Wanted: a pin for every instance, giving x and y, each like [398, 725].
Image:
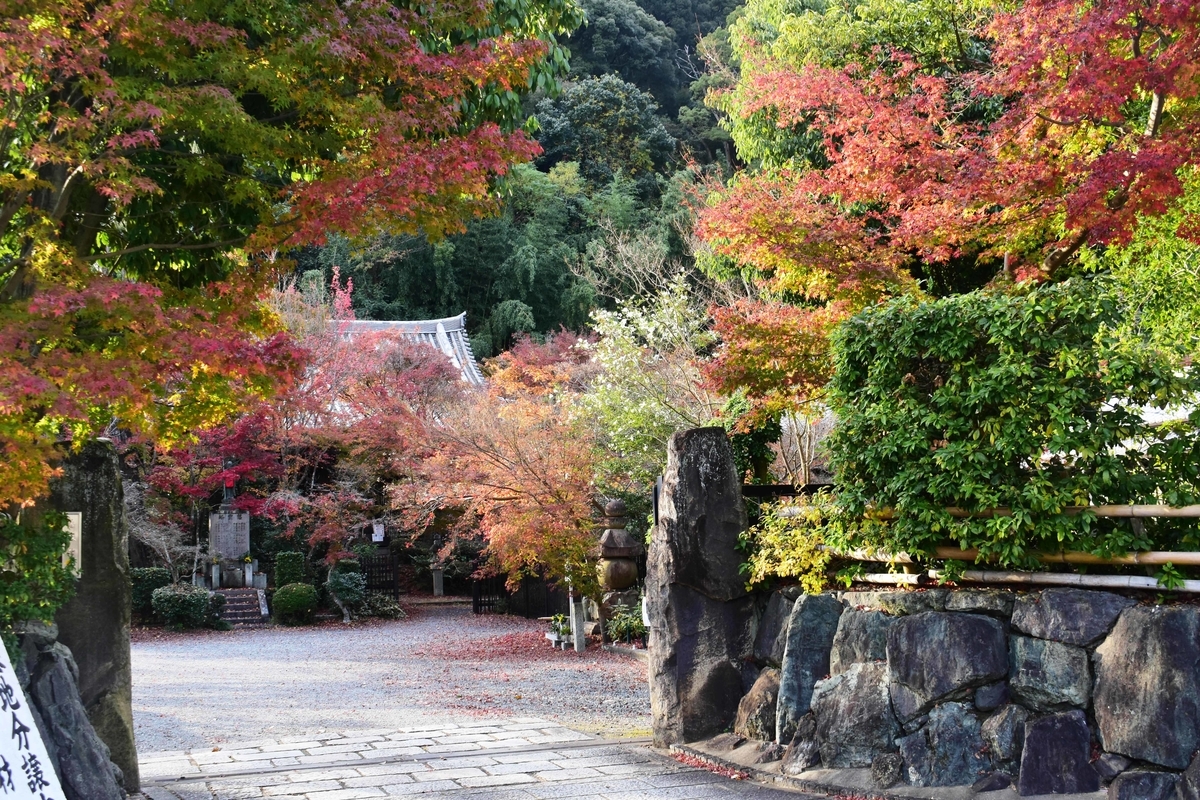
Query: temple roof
[448, 335]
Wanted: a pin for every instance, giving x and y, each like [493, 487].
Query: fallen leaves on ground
[702, 763]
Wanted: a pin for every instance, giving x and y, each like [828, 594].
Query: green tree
[691, 20]
[648, 385]
[1157, 278]
[510, 273]
[611, 128]
[621, 38]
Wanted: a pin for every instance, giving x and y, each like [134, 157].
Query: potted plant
[560, 629]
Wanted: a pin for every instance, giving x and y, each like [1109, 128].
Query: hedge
[1024, 399]
[144, 581]
[185, 606]
[289, 568]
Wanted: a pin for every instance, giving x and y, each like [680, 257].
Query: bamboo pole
[896, 579]
[1040, 579]
[1149, 558]
[1121, 512]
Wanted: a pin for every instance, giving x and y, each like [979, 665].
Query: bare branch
[175, 246]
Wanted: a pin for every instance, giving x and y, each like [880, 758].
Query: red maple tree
[159, 155]
[1079, 124]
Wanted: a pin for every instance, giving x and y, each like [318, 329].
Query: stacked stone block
[1055, 691]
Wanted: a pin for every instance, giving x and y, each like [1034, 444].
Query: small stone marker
[25, 767]
[228, 534]
[578, 639]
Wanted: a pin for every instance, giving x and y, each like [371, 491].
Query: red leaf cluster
[1079, 125]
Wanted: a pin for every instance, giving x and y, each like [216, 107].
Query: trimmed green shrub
[212, 616]
[181, 605]
[380, 605]
[294, 603]
[289, 568]
[1023, 399]
[144, 581]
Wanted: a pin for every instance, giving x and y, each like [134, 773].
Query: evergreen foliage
[610, 128]
[294, 603]
[145, 581]
[1023, 399]
[289, 568]
[621, 38]
[185, 606]
[35, 583]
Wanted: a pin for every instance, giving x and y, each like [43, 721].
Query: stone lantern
[617, 568]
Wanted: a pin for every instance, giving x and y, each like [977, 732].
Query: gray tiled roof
[448, 335]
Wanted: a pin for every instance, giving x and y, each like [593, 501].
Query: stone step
[242, 609]
[254, 609]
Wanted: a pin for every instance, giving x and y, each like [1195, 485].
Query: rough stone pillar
[95, 623]
[701, 618]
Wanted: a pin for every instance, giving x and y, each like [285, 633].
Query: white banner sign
[25, 768]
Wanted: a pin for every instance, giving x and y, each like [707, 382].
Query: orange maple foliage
[1079, 125]
[520, 465]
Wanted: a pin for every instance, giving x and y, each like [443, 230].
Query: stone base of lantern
[628, 598]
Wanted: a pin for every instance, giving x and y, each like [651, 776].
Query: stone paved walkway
[512, 759]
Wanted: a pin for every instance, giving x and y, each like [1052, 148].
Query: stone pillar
[95, 623]
[617, 570]
[578, 637]
[701, 617]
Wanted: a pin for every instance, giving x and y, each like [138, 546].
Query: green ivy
[1025, 399]
[34, 582]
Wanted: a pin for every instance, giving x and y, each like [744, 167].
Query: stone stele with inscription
[228, 534]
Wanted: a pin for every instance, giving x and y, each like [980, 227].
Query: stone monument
[228, 539]
[701, 617]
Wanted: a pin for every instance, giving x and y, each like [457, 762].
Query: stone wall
[1053, 691]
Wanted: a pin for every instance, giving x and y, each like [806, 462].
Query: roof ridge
[448, 335]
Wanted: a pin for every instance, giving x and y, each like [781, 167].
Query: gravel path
[441, 665]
